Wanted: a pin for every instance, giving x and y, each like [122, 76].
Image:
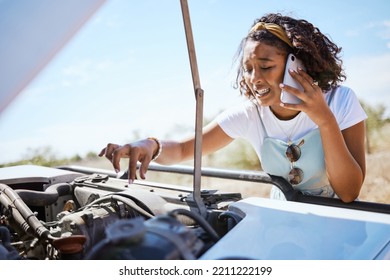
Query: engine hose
[125, 200]
[197, 218]
[230, 215]
[48, 197]
[136, 201]
[133, 205]
[25, 211]
[5, 201]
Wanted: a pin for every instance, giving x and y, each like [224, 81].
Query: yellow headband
[274, 29]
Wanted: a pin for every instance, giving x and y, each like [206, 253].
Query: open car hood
[32, 33]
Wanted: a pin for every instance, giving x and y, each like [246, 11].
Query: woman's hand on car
[140, 151]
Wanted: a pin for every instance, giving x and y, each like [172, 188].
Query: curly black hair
[318, 53]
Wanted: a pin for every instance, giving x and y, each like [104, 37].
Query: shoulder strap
[261, 121]
[331, 95]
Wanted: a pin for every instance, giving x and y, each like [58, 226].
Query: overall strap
[261, 121]
[331, 94]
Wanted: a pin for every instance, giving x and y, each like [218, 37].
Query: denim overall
[311, 162]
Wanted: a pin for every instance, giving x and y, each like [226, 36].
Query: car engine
[76, 213]
[57, 214]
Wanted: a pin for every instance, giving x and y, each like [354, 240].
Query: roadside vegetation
[46, 156]
[240, 155]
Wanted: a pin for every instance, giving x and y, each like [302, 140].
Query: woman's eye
[262, 68]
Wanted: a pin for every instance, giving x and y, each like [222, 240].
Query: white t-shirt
[243, 121]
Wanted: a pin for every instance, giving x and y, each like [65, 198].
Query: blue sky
[126, 71]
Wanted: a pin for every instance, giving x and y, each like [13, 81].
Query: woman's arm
[344, 150]
[214, 138]
[344, 158]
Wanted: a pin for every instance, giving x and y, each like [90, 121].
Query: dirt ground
[376, 186]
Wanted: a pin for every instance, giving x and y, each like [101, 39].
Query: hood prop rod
[199, 110]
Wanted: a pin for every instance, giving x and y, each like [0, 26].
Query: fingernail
[281, 104]
[281, 85]
[130, 181]
[116, 170]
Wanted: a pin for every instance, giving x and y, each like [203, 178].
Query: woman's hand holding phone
[292, 63]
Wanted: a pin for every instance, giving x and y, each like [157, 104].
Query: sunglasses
[293, 153]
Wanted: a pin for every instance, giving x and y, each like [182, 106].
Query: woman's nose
[256, 77]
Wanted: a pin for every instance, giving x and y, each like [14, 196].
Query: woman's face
[263, 67]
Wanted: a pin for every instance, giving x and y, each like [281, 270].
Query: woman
[318, 144]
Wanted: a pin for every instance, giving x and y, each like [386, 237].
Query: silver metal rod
[199, 109]
[190, 44]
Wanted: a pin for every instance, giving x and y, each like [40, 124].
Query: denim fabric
[311, 162]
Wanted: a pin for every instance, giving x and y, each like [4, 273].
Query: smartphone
[292, 63]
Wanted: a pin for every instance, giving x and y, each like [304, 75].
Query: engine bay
[69, 214]
[58, 214]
